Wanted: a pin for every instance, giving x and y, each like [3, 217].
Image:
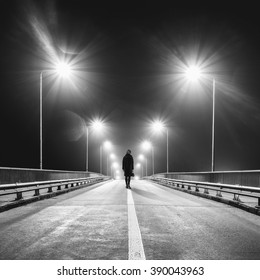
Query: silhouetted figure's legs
[127, 181]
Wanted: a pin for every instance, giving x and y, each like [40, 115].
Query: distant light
[141, 157]
[115, 165]
[146, 145]
[107, 145]
[138, 165]
[117, 177]
[112, 156]
[137, 178]
[193, 73]
[63, 69]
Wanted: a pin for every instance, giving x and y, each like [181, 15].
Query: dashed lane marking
[135, 244]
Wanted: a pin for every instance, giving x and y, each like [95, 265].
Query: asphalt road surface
[107, 221]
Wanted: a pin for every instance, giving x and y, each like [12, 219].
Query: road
[107, 221]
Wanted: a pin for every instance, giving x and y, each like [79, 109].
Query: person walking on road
[128, 167]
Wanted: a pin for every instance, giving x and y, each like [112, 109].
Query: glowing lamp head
[146, 145]
[63, 69]
[157, 126]
[115, 165]
[107, 145]
[141, 157]
[193, 73]
[112, 156]
[97, 125]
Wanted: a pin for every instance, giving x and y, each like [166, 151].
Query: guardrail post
[258, 206]
[49, 189]
[236, 197]
[19, 195]
[206, 191]
[197, 188]
[59, 188]
[219, 194]
[37, 192]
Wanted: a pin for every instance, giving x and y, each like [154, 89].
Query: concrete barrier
[20, 175]
[243, 178]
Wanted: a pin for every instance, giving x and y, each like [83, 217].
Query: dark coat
[128, 164]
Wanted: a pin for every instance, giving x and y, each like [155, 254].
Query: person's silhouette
[128, 167]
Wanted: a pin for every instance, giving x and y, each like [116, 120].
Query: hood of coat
[128, 155]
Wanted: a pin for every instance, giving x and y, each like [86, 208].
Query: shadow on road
[147, 194]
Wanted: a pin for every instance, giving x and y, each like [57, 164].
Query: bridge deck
[107, 221]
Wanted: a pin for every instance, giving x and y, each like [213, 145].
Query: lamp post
[112, 157]
[96, 125]
[146, 146]
[167, 145]
[41, 120]
[64, 70]
[194, 73]
[107, 145]
[114, 165]
[142, 158]
[87, 148]
[139, 165]
[158, 126]
[100, 159]
[213, 129]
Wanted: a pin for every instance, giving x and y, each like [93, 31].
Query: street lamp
[146, 145]
[114, 165]
[194, 73]
[158, 126]
[142, 158]
[96, 125]
[107, 145]
[139, 165]
[117, 174]
[64, 70]
[112, 157]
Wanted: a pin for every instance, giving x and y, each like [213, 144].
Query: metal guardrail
[19, 188]
[236, 190]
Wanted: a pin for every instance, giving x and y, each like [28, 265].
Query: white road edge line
[135, 244]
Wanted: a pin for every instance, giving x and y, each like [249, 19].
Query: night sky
[127, 57]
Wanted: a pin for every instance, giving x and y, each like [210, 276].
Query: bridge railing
[18, 189]
[218, 188]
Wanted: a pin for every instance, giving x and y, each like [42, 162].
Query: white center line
[135, 244]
